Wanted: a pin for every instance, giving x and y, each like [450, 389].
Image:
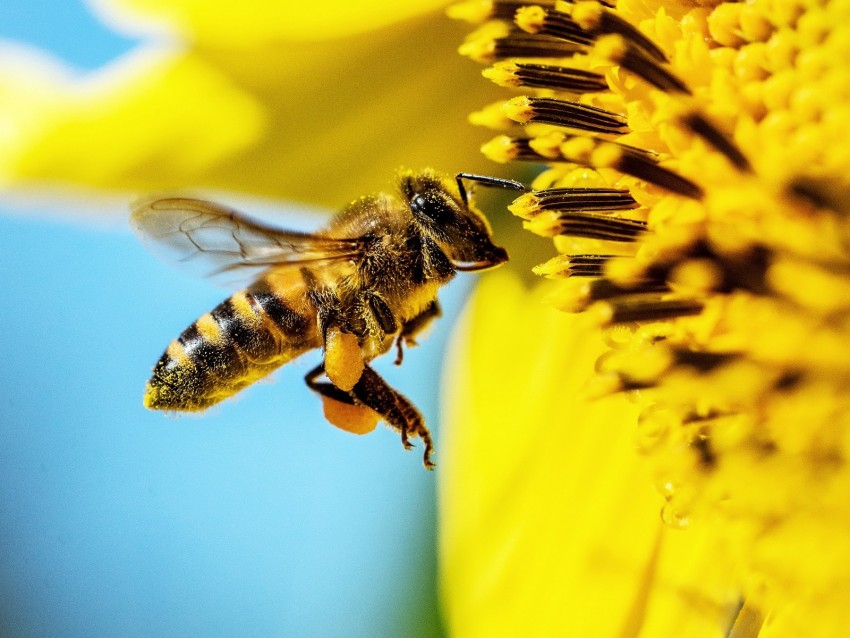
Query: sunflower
[665, 458]
[696, 189]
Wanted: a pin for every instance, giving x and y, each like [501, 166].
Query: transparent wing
[215, 241]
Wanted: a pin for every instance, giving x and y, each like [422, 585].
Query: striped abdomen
[243, 339]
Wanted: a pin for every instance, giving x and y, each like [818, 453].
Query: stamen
[696, 275]
[789, 380]
[593, 18]
[646, 367]
[563, 266]
[577, 295]
[544, 76]
[701, 266]
[497, 41]
[593, 226]
[524, 45]
[703, 361]
[583, 24]
[642, 308]
[707, 418]
[618, 51]
[543, 148]
[605, 289]
[590, 152]
[476, 11]
[640, 164]
[625, 384]
[701, 444]
[549, 145]
[547, 110]
[700, 126]
[503, 149]
[822, 193]
[630, 272]
[548, 22]
[747, 271]
[572, 199]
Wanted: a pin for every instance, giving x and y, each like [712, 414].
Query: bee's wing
[216, 241]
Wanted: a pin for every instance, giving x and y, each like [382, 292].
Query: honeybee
[366, 281]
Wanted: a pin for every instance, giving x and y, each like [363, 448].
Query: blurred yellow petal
[111, 132]
[317, 121]
[237, 23]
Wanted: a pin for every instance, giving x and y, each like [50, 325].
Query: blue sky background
[257, 519]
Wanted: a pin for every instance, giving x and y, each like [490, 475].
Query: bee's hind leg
[372, 391]
[340, 407]
[328, 390]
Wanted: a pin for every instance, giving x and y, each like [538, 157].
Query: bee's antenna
[498, 182]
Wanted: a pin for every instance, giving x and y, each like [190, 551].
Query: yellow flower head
[697, 189]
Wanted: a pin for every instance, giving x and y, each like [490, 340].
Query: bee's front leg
[414, 326]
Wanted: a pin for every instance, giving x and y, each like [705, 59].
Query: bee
[367, 280]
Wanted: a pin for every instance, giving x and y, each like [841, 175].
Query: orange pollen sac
[343, 359]
[351, 418]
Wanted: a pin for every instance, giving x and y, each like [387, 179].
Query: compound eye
[418, 204]
[432, 208]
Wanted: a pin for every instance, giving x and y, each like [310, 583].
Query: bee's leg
[328, 390]
[382, 312]
[384, 317]
[414, 326]
[376, 394]
[340, 408]
[340, 334]
[372, 391]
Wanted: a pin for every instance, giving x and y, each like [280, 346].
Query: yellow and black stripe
[241, 340]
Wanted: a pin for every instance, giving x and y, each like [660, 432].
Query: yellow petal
[151, 117]
[253, 21]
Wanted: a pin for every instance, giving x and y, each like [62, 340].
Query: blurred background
[256, 519]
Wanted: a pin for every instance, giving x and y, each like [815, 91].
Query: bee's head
[444, 213]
